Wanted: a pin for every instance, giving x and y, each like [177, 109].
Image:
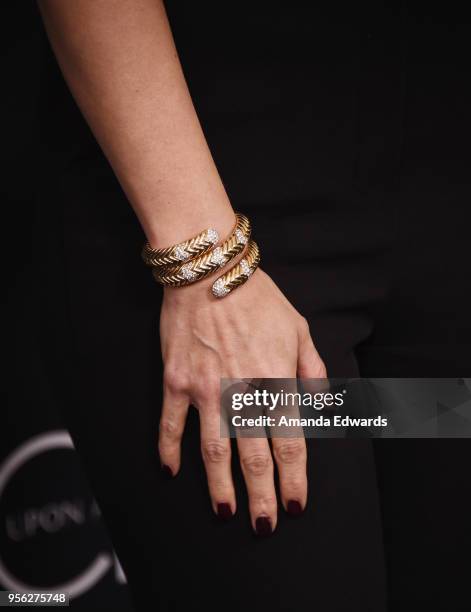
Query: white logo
[104, 561]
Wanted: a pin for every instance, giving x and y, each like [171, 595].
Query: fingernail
[294, 508]
[166, 471]
[224, 511]
[263, 526]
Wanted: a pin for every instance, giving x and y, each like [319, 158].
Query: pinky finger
[172, 424]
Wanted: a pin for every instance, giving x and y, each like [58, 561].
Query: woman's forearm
[121, 65]
[120, 62]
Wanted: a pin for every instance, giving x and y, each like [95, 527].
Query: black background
[424, 485]
[50, 481]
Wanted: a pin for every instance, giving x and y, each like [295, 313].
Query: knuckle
[289, 452]
[256, 465]
[169, 430]
[297, 485]
[215, 451]
[220, 490]
[218, 486]
[175, 380]
[264, 500]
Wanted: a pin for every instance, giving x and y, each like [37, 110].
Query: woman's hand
[252, 333]
[123, 70]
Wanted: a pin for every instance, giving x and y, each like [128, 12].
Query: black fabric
[343, 128]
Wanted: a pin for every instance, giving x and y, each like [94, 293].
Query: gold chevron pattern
[238, 274]
[202, 266]
[181, 252]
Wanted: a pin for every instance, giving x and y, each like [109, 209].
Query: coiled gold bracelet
[204, 265]
[198, 257]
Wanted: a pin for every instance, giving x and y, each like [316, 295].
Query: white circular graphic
[86, 579]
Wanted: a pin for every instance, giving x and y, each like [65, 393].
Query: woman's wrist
[205, 254]
[199, 292]
[177, 225]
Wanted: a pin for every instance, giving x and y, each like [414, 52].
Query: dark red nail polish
[294, 508]
[166, 471]
[263, 526]
[224, 511]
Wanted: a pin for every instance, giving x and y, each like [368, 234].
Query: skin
[119, 60]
